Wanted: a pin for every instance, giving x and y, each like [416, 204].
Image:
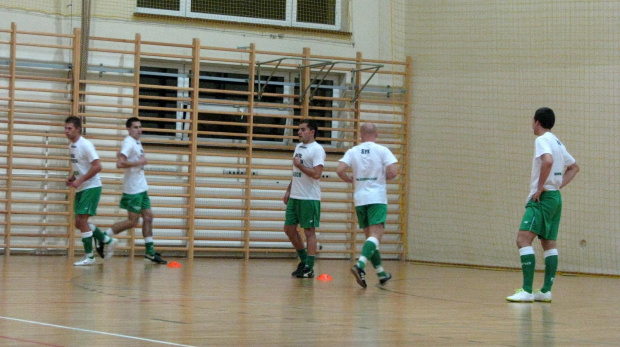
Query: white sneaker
[86, 261]
[542, 297]
[521, 296]
[109, 248]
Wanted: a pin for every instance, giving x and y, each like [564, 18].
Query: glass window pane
[316, 11]
[322, 123]
[220, 83]
[150, 97]
[264, 9]
[160, 4]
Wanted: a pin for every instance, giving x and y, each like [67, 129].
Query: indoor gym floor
[46, 301]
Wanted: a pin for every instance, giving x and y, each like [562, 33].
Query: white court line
[94, 331]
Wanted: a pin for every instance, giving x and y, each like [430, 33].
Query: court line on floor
[94, 331]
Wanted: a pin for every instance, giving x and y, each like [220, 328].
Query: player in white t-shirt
[372, 166]
[85, 179]
[552, 169]
[135, 196]
[303, 197]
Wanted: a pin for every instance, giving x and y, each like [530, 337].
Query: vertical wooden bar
[357, 124]
[248, 172]
[136, 111]
[357, 106]
[404, 174]
[9, 149]
[304, 83]
[305, 106]
[75, 84]
[75, 104]
[194, 147]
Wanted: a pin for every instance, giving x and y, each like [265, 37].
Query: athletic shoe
[383, 279]
[360, 275]
[86, 261]
[521, 296]
[542, 297]
[109, 250]
[306, 272]
[155, 258]
[99, 246]
[300, 268]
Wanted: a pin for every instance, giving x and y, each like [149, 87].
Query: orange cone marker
[324, 278]
[174, 264]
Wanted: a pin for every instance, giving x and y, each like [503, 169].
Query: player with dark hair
[85, 179]
[372, 166]
[552, 169]
[135, 196]
[303, 197]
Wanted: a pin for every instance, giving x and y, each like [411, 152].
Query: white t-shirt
[134, 182]
[83, 153]
[369, 161]
[302, 186]
[549, 143]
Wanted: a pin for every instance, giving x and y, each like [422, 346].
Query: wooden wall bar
[219, 147]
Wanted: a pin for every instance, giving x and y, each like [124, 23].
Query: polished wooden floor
[45, 301]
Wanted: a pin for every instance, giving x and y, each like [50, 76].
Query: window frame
[290, 21]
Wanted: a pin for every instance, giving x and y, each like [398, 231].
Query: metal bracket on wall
[325, 66]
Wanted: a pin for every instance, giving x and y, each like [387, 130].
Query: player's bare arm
[123, 163]
[341, 171]
[545, 170]
[287, 194]
[391, 171]
[569, 174]
[95, 168]
[313, 172]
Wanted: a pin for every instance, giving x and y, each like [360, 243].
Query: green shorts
[543, 218]
[372, 214]
[306, 213]
[86, 201]
[135, 203]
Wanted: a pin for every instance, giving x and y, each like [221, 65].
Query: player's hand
[286, 197]
[143, 160]
[69, 180]
[536, 196]
[75, 183]
[297, 162]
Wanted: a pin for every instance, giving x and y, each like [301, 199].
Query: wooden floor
[45, 301]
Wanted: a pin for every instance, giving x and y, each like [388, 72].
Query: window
[317, 14]
[220, 119]
[154, 101]
[223, 105]
[323, 90]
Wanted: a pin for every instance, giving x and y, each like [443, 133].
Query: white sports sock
[551, 252]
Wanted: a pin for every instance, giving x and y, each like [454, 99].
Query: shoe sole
[306, 276]
[547, 301]
[358, 278]
[385, 279]
[525, 301]
[83, 264]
